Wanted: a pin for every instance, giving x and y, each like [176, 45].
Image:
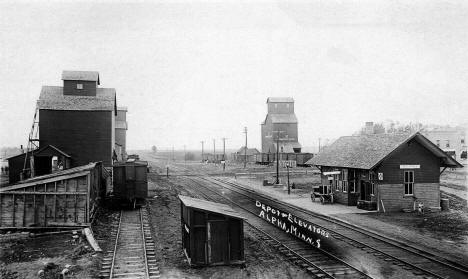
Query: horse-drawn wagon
[322, 193]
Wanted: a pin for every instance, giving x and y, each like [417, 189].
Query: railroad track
[133, 254]
[318, 263]
[420, 263]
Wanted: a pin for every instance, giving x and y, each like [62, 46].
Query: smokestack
[22, 150]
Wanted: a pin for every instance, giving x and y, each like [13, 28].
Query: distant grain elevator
[280, 121]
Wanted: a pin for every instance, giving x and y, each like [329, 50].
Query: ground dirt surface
[22, 256]
[261, 260]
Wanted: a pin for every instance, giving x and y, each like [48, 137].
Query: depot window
[344, 176]
[409, 182]
[351, 179]
[79, 86]
[336, 180]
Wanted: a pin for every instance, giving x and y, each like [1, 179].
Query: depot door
[365, 191]
[217, 242]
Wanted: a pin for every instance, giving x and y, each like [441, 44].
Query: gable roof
[81, 75]
[288, 147]
[210, 206]
[52, 150]
[52, 98]
[280, 100]
[250, 151]
[367, 151]
[283, 118]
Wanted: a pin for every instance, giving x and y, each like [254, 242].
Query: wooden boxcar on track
[130, 182]
[212, 233]
[300, 159]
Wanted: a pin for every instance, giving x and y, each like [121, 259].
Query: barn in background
[245, 154]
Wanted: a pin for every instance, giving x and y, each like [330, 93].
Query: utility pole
[224, 148]
[245, 149]
[185, 157]
[287, 167]
[319, 144]
[214, 151]
[202, 143]
[224, 153]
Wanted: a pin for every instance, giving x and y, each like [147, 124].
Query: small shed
[130, 180]
[212, 233]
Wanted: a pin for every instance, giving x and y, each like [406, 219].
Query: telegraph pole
[185, 157]
[224, 153]
[319, 144]
[224, 148]
[245, 149]
[214, 151]
[202, 143]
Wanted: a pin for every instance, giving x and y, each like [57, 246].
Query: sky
[192, 71]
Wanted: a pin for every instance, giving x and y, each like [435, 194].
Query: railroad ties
[133, 255]
[318, 263]
[422, 264]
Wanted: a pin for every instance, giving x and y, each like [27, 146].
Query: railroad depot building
[77, 125]
[281, 121]
[386, 172]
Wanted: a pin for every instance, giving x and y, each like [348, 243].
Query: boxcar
[130, 182]
[269, 158]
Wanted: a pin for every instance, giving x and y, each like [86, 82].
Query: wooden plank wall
[46, 204]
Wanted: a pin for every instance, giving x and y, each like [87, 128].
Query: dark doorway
[42, 165]
[216, 241]
[365, 191]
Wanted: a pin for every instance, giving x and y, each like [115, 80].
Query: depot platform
[296, 198]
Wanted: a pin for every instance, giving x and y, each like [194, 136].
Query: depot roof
[367, 151]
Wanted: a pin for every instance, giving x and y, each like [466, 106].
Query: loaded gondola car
[130, 183]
